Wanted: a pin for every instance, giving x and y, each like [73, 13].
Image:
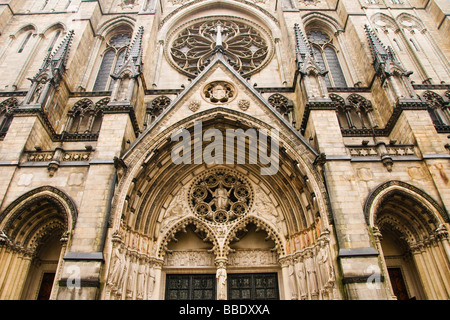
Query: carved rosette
[220, 196]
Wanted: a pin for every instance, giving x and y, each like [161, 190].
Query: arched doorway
[271, 237]
[35, 229]
[411, 233]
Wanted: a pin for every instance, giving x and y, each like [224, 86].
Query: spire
[61, 54]
[55, 64]
[381, 55]
[135, 51]
[133, 57]
[302, 46]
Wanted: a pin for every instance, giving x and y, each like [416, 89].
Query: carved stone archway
[410, 231]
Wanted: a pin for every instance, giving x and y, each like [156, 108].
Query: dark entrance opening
[253, 286]
[190, 287]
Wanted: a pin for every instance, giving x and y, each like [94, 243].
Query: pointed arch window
[6, 111]
[326, 55]
[155, 108]
[112, 59]
[85, 117]
[24, 43]
[438, 110]
[356, 114]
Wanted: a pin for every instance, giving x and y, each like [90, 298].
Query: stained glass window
[326, 56]
[112, 61]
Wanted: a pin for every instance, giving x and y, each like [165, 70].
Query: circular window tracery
[245, 48]
[220, 196]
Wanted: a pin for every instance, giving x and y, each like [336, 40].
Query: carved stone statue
[141, 281]
[301, 278]
[292, 284]
[151, 281]
[118, 267]
[131, 282]
[221, 276]
[324, 263]
[311, 273]
[221, 197]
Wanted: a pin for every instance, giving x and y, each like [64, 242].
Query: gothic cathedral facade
[225, 149]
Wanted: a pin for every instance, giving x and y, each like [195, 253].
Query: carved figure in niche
[37, 93]
[324, 263]
[131, 283]
[178, 207]
[311, 273]
[301, 278]
[151, 281]
[221, 276]
[292, 285]
[264, 207]
[141, 281]
[118, 268]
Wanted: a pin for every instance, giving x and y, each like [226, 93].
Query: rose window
[243, 46]
[220, 196]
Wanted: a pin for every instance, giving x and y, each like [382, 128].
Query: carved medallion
[244, 105]
[194, 105]
[218, 92]
[220, 196]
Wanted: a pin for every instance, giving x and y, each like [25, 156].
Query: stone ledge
[84, 256]
[357, 252]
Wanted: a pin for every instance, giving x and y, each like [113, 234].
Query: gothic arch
[38, 221]
[192, 8]
[28, 27]
[321, 20]
[59, 198]
[384, 21]
[114, 23]
[260, 224]
[129, 183]
[437, 213]
[202, 228]
[410, 231]
[406, 17]
[55, 26]
[329, 48]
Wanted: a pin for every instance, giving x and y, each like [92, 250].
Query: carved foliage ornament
[220, 196]
[244, 47]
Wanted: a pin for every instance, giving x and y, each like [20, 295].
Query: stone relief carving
[189, 258]
[194, 105]
[244, 104]
[264, 208]
[218, 92]
[252, 257]
[176, 210]
[314, 273]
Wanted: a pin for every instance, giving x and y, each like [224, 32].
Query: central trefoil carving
[220, 196]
